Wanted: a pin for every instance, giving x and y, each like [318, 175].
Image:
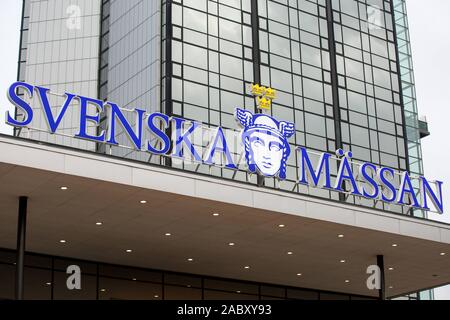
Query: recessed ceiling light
[391, 268]
[290, 253]
[168, 234]
[156, 296]
[281, 225]
[134, 279]
[190, 259]
[215, 214]
[62, 241]
[48, 283]
[128, 251]
[442, 253]
[247, 267]
[299, 274]
[395, 245]
[99, 223]
[391, 287]
[347, 281]
[231, 244]
[239, 291]
[102, 290]
[342, 261]
[64, 188]
[340, 235]
[143, 201]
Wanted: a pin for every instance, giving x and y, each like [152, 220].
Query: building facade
[335, 67]
[342, 73]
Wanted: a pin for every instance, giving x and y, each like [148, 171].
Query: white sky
[10, 16]
[430, 35]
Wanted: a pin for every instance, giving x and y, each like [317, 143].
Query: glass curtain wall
[130, 65]
[60, 51]
[372, 119]
[409, 93]
[334, 65]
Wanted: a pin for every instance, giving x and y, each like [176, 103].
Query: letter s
[160, 135]
[391, 188]
[20, 103]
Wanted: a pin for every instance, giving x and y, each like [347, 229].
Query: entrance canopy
[123, 212]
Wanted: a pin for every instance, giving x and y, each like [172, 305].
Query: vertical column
[21, 237]
[52, 293]
[334, 75]
[334, 81]
[382, 291]
[97, 283]
[255, 39]
[256, 60]
[168, 68]
[163, 293]
[103, 68]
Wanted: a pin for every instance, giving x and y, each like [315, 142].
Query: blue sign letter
[407, 187]
[159, 133]
[181, 138]
[223, 149]
[136, 138]
[345, 173]
[19, 103]
[427, 191]
[386, 183]
[52, 123]
[376, 189]
[85, 118]
[311, 174]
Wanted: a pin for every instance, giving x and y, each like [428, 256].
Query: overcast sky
[430, 35]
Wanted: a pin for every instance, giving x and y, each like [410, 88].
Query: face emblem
[266, 146]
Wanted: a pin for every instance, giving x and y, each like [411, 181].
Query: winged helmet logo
[266, 143]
